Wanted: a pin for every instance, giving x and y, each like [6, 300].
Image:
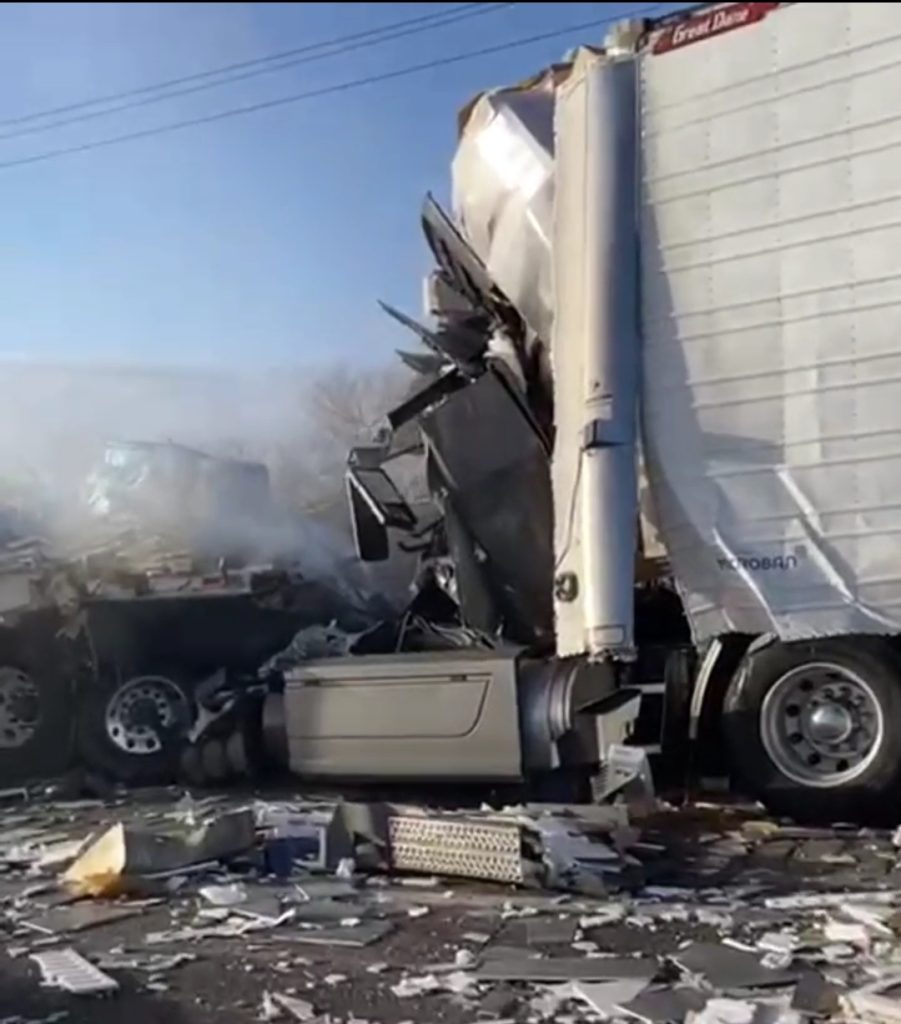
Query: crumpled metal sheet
[771, 316]
[503, 193]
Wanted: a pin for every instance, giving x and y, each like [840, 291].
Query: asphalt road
[722, 860]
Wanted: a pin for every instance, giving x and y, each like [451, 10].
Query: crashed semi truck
[658, 416]
[131, 623]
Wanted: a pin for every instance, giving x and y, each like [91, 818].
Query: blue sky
[257, 241]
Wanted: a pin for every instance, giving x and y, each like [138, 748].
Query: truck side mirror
[376, 505]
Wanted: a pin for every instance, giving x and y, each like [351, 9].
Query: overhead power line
[446, 18]
[338, 87]
[365, 34]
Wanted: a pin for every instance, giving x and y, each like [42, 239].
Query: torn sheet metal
[524, 968]
[352, 936]
[80, 917]
[503, 193]
[498, 505]
[727, 968]
[770, 329]
[665, 1005]
[607, 997]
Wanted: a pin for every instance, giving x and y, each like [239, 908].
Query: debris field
[166, 906]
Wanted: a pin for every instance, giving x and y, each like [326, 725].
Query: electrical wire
[238, 66]
[339, 87]
[269, 69]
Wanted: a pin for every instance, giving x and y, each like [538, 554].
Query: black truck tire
[812, 730]
[129, 751]
[36, 735]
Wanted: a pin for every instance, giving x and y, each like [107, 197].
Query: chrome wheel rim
[821, 725]
[20, 710]
[142, 711]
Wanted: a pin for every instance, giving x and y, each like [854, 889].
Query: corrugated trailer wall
[771, 315]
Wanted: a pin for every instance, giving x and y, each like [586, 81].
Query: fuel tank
[480, 715]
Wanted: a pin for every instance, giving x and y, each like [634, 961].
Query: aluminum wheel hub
[821, 725]
[20, 708]
[142, 712]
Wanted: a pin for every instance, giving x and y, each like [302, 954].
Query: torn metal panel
[727, 968]
[80, 917]
[607, 997]
[498, 491]
[524, 968]
[545, 931]
[503, 193]
[665, 1005]
[352, 936]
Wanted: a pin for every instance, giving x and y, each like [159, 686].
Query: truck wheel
[35, 723]
[133, 729]
[812, 729]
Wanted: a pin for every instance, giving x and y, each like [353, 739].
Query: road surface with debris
[713, 916]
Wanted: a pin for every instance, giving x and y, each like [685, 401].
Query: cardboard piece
[124, 853]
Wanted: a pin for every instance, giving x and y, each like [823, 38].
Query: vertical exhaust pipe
[596, 322]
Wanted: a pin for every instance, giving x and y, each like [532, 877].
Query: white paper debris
[224, 895]
[345, 869]
[296, 1009]
[852, 933]
[724, 1011]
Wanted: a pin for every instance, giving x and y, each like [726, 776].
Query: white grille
[456, 847]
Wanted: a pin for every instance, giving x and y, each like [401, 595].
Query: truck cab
[659, 421]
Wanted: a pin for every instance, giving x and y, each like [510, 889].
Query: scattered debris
[815, 996]
[726, 925]
[726, 1011]
[345, 868]
[123, 854]
[79, 918]
[607, 998]
[224, 895]
[356, 936]
[557, 931]
[726, 968]
[68, 970]
[296, 1009]
[665, 1005]
[566, 969]
[318, 888]
[315, 838]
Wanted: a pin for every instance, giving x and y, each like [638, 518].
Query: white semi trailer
[661, 424]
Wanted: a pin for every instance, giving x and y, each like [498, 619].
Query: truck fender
[721, 660]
